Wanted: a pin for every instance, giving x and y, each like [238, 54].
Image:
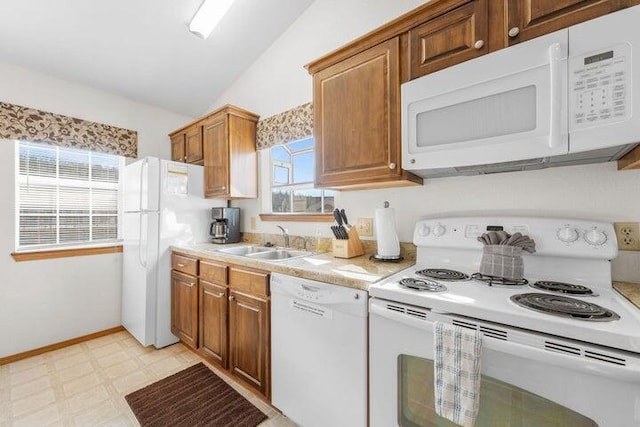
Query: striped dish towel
[457, 373]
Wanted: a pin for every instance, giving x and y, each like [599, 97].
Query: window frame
[59, 250]
[267, 179]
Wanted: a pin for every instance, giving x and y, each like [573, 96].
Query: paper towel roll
[388, 244]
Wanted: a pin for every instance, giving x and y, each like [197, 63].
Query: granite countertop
[358, 272]
[630, 291]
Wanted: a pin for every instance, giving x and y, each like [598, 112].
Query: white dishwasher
[319, 352]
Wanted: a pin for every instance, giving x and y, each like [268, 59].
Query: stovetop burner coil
[498, 281]
[422, 285]
[563, 288]
[563, 306]
[442, 274]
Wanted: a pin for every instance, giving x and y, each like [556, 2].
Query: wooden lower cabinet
[184, 308]
[223, 311]
[249, 340]
[213, 322]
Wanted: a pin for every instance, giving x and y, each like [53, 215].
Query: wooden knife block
[343, 248]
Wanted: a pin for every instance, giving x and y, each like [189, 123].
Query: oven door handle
[628, 373]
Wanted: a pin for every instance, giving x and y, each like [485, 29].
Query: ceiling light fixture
[208, 16]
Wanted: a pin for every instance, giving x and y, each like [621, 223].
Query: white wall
[44, 302]
[277, 81]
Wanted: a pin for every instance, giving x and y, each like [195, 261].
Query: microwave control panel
[600, 87]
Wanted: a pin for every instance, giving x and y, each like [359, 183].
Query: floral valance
[286, 127]
[17, 122]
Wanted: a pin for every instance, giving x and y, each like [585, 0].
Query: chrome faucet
[285, 233]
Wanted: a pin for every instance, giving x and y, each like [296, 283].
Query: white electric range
[561, 340]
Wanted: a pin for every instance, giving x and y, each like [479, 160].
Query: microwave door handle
[556, 95]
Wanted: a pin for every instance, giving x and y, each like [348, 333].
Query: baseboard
[57, 346]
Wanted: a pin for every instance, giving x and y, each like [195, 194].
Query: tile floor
[85, 384]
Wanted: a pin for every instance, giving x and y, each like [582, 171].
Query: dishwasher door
[319, 352]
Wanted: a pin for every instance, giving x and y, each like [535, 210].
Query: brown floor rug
[193, 397]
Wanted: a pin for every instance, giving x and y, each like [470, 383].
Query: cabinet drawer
[212, 272]
[184, 264]
[251, 282]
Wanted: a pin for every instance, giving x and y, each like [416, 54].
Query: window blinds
[65, 196]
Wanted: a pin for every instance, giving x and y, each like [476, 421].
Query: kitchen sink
[280, 254]
[246, 250]
[266, 253]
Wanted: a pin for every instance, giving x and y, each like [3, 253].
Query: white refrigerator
[164, 205]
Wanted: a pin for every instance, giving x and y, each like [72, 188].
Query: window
[65, 197]
[292, 180]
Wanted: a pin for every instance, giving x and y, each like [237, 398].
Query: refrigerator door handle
[141, 259]
[145, 162]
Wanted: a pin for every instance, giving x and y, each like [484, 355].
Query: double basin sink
[265, 253]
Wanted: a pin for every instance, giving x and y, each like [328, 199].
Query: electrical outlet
[628, 235]
[253, 222]
[364, 226]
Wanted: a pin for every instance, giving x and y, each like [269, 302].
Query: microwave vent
[503, 167]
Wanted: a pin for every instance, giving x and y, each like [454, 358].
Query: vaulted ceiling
[142, 49]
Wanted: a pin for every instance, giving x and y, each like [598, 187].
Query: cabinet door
[216, 157]
[193, 145]
[249, 340]
[533, 18]
[449, 39]
[357, 118]
[177, 148]
[213, 322]
[184, 308]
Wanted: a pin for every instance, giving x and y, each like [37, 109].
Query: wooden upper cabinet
[357, 120]
[449, 39]
[224, 142]
[528, 19]
[186, 144]
[230, 158]
[217, 157]
[178, 147]
[193, 145]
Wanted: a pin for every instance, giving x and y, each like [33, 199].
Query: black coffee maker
[225, 225]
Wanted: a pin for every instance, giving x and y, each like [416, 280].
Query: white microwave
[561, 99]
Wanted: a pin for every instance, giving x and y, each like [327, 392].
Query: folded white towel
[457, 373]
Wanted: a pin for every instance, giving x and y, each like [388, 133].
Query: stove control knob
[568, 234]
[439, 230]
[424, 230]
[595, 237]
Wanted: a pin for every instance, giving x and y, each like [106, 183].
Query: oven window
[501, 404]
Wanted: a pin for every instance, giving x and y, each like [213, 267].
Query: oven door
[521, 385]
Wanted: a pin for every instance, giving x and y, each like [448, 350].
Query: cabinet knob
[392, 166]
[185, 158]
[514, 31]
[479, 44]
[231, 297]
